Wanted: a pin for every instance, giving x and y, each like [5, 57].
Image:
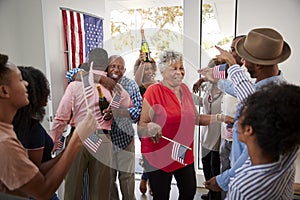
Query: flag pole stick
[175, 142]
[85, 98]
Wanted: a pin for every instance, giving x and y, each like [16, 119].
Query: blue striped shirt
[266, 181]
[122, 130]
[243, 88]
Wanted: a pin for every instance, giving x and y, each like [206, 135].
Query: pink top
[16, 169]
[73, 102]
[177, 122]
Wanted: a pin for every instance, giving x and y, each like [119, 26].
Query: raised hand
[225, 55]
[208, 73]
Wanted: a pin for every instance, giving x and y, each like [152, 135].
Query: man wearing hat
[261, 50]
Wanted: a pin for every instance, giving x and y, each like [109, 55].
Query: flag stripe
[82, 33]
[178, 153]
[61, 143]
[80, 40]
[115, 102]
[93, 142]
[72, 39]
[65, 24]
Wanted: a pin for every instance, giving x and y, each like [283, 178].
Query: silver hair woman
[169, 115]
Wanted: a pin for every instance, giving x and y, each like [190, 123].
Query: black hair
[4, 70]
[273, 113]
[138, 62]
[38, 92]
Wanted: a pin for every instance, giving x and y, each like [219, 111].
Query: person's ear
[248, 130]
[3, 91]
[259, 67]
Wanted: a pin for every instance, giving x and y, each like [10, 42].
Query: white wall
[21, 32]
[280, 15]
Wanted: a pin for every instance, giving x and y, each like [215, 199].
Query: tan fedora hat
[263, 46]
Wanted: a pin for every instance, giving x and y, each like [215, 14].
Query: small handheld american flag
[219, 71]
[93, 142]
[61, 142]
[179, 152]
[116, 101]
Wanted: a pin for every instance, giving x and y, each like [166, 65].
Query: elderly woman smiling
[169, 115]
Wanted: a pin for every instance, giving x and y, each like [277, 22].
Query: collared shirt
[264, 181]
[122, 130]
[73, 102]
[243, 88]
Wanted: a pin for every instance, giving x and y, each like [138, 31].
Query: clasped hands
[154, 131]
[212, 184]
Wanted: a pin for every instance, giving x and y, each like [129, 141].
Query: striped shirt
[243, 88]
[266, 181]
[122, 130]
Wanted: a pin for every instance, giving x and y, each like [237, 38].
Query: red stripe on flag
[65, 23]
[73, 39]
[80, 38]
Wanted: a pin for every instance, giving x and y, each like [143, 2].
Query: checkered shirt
[122, 130]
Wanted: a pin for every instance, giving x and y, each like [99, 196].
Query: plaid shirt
[122, 130]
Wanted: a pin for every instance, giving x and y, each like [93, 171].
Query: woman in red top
[168, 115]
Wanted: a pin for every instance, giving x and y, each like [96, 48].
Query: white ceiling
[134, 4]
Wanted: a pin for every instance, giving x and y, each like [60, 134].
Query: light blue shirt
[242, 89]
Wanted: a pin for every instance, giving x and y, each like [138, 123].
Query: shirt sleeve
[63, 114]
[223, 179]
[16, 168]
[227, 86]
[136, 98]
[243, 86]
[36, 139]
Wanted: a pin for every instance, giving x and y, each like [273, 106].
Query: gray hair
[112, 58]
[167, 58]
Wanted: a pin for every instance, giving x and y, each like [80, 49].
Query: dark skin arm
[108, 83]
[212, 184]
[197, 85]
[43, 186]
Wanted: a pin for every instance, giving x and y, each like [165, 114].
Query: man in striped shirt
[261, 50]
[268, 127]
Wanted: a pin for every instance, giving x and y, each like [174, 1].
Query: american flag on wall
[82, 33]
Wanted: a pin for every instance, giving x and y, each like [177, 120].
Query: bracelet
[220, 117]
